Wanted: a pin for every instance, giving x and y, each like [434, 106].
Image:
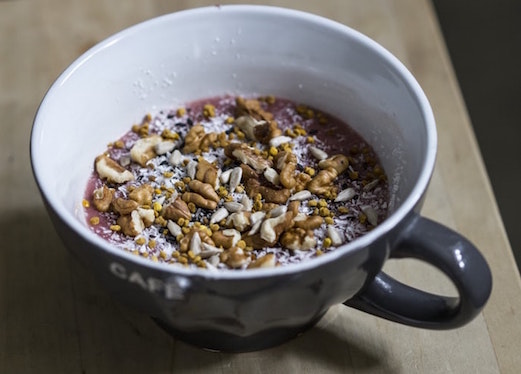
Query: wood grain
[54, 318]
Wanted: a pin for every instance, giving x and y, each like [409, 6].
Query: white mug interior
[233, 50]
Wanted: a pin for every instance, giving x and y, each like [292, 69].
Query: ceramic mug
[212, 51]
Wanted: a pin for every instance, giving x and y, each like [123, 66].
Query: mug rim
[391, 221]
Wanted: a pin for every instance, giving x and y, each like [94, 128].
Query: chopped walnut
[174, 210]
[207, 173]
[247, 155]
[142, 194]
[110, 170]
[298, 239]
[144, 149]
[102, 198]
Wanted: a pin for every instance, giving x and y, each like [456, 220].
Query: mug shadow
[52, 307]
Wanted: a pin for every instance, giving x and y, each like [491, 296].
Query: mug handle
[450, 252]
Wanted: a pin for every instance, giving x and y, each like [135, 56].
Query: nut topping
[144, 149]
[102, 198]
[110, 170]
[224, 187]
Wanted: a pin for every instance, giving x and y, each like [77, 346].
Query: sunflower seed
[218, 215]
[369, 186]
[208, 250]
[191, 169]
[301, 195]
[318, 153]
[372, 216]
[345, 195]
[195, 244]
[225, 176]
[334, 235]
[272, 176]
[233, 206]
[246, 203]
[174, 228]
[278, 140]
[176, 158]
[235, 178]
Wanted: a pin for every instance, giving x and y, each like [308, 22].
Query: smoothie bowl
[234, 171]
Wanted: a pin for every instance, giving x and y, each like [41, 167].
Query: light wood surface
[54, 318]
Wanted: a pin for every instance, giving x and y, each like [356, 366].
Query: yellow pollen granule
[310, 139]
[323, 211]
[152, 243]
[115, 227]
[241, 244]
[229, 120]
[273, 151]
[160, 221]
[309, 170]
[208, 111]
[322, 203]
[180, 112]
[327, 242]
[157, 206]
[163, 255]
[343, 209]
[329, 220]
[141, 240]
[85, 203]
[312, 203]
[94, 221]
[119, 144]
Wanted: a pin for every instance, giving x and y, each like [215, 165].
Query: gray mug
[243, 50]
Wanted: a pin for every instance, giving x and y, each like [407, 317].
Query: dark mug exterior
[351, 77]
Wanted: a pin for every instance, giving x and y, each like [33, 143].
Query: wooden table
[54, 318]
